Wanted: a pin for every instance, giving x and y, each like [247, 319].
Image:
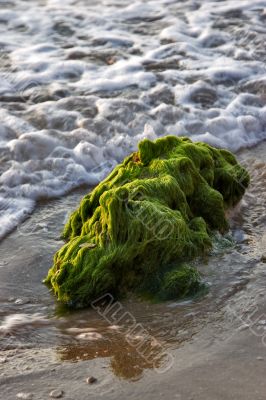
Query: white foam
[82, 83]
[16, 322]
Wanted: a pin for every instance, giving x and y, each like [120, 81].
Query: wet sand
[217, 340]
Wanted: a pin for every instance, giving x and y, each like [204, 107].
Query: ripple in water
[79, 82]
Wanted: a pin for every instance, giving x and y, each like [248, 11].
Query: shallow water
[81, 82]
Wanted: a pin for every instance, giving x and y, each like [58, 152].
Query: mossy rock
[153, 212]
[180, 282]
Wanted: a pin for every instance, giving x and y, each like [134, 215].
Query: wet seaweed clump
[136, 231]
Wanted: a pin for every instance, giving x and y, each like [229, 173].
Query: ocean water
[81, 82]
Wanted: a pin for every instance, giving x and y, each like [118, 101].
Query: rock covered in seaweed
[134, 231]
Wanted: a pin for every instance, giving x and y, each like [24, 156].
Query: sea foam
[81, 83]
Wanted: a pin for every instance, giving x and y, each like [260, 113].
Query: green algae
[157, 209]
[180, 282]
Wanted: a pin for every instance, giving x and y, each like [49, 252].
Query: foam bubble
[81, 84]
